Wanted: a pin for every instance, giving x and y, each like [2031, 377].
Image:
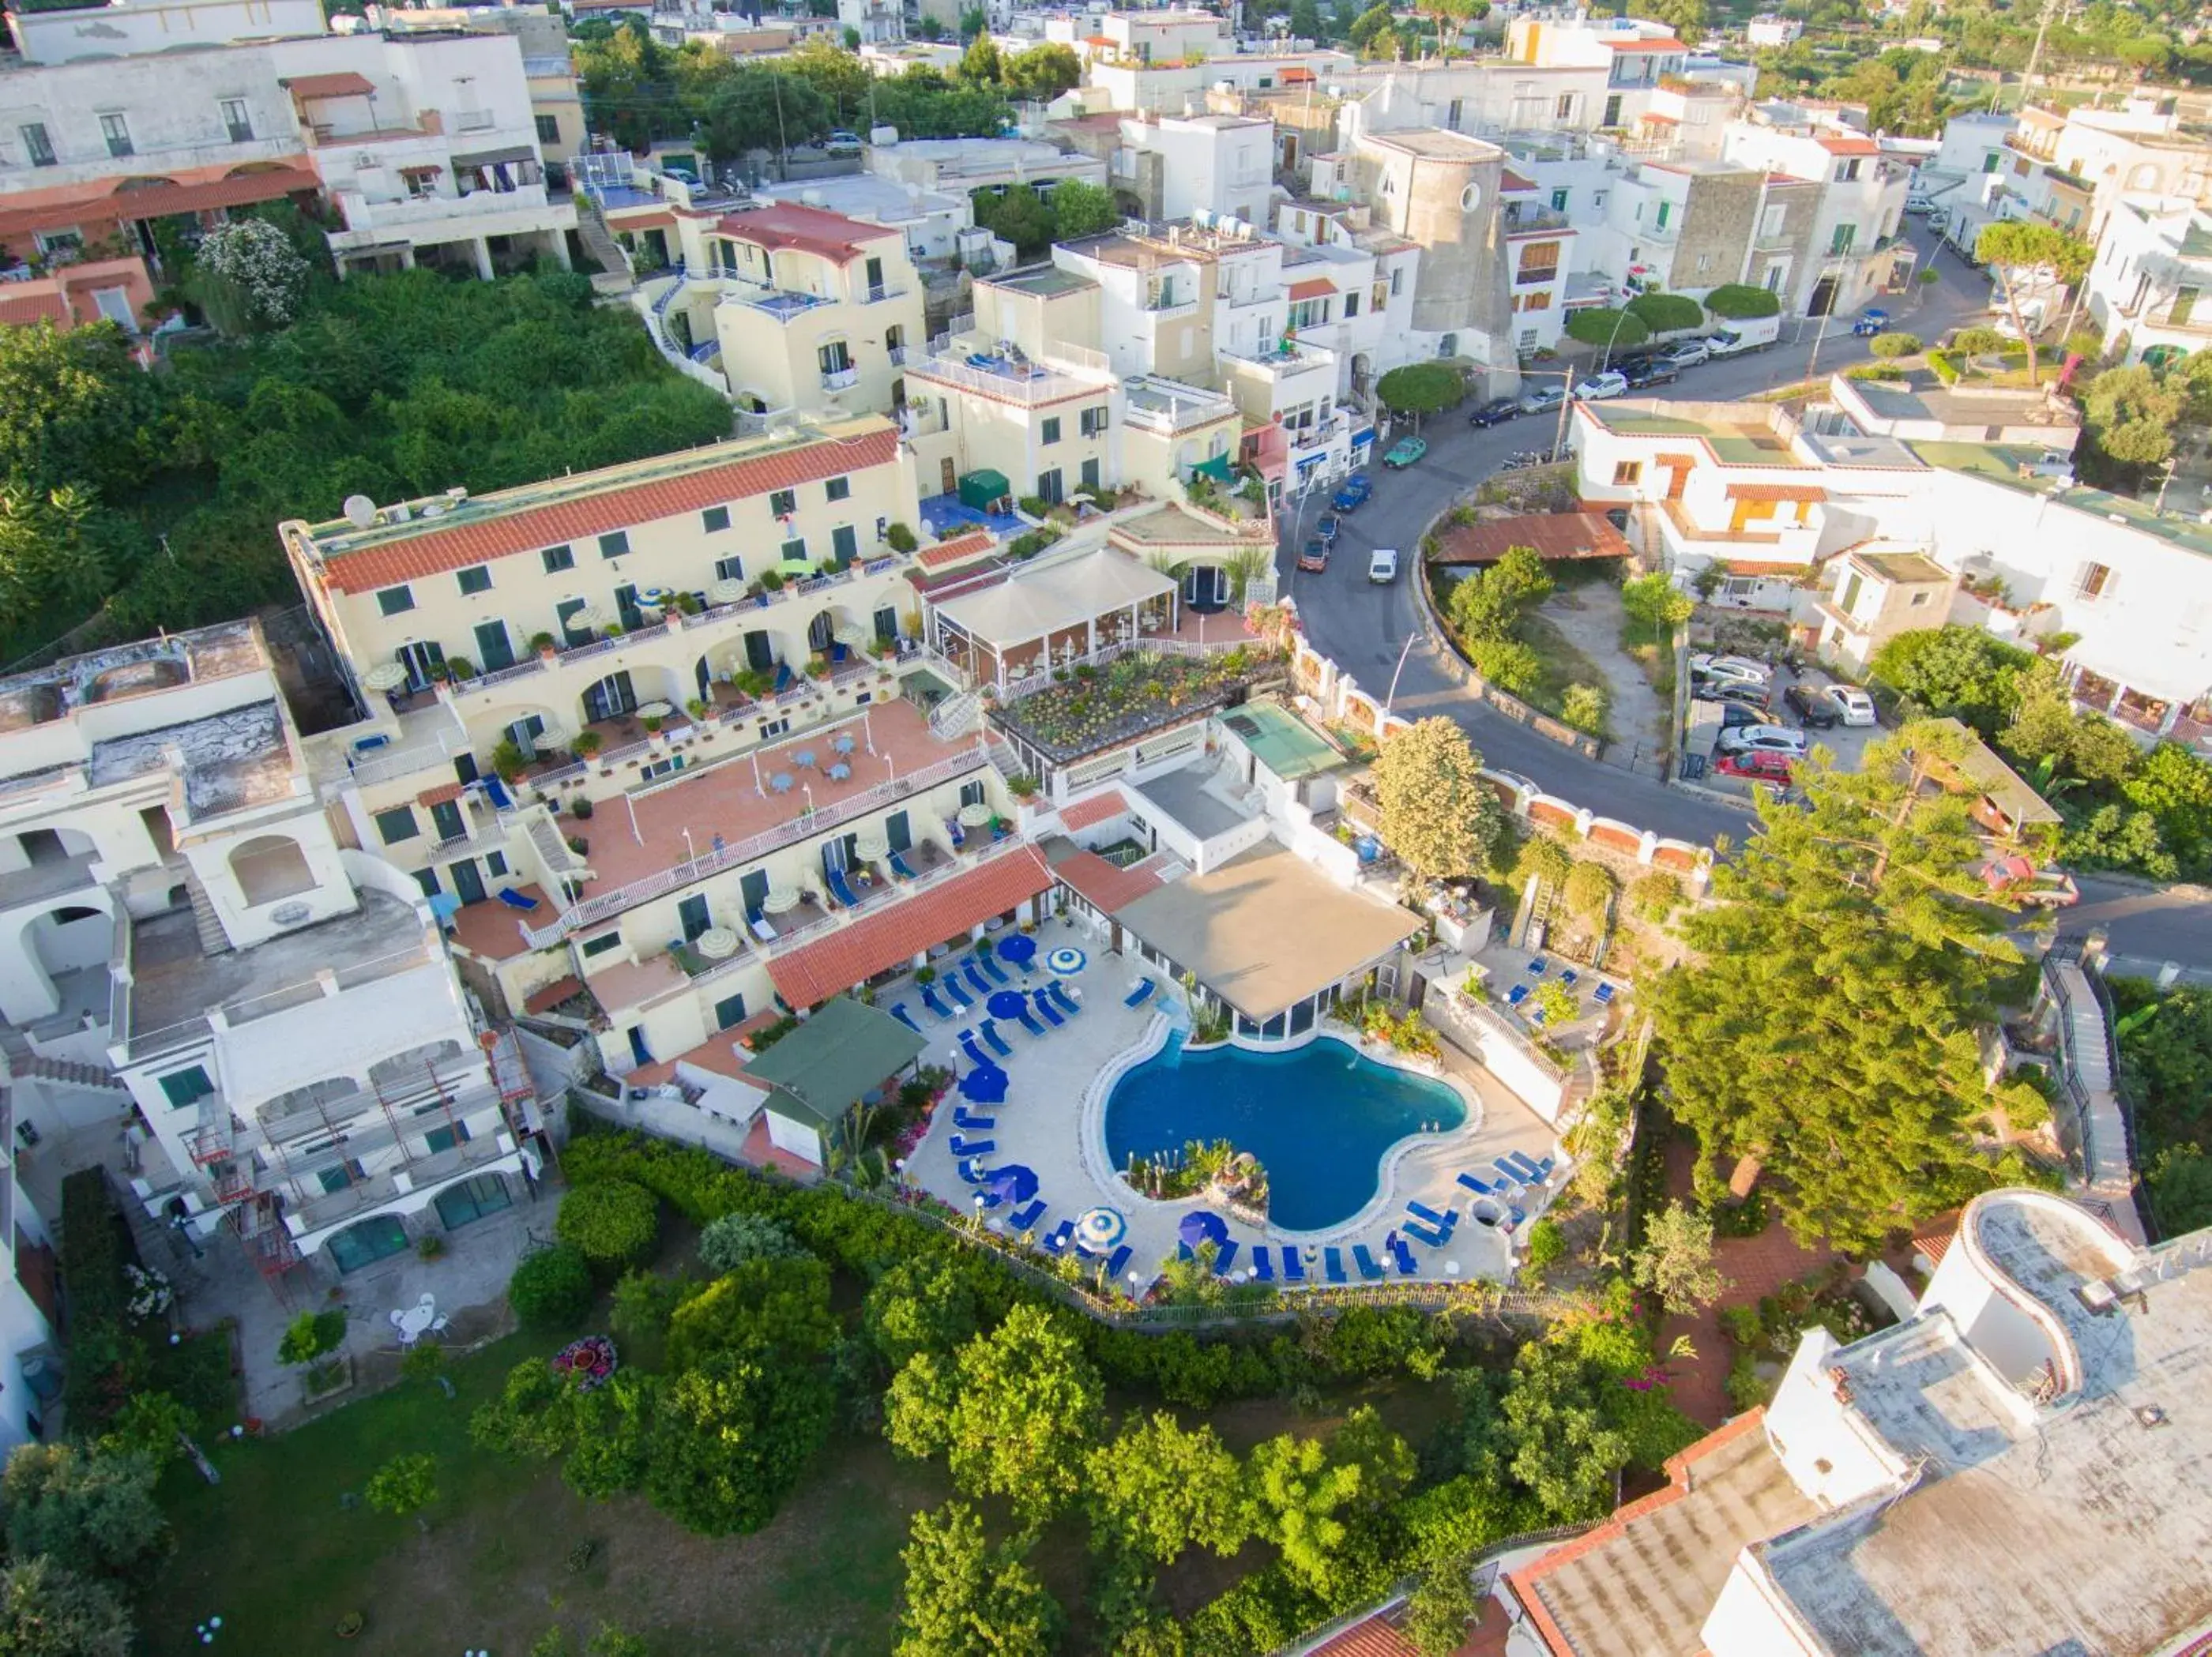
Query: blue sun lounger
[1441, 1222]
[495, 792]
[1121, 1259]
[962, 1117]
[1516, 995]
[1569, 977]
[1422, 1234]
[1224, 1258]
[1050, 1014]
[1263, 1266]
[1404, 1253]
[1512, 1173]
[840, 890]
[1294, 1269]
[1538, 967]
[1521, 1164]
[991, 969]
[1332, 1263]
[993, 1040]
[976, 981]
[976, 1054]
[901, 867]
[1480, 1188]
[1025, 1219]
[1067, 1004]
[1368, 1269]
[1142, 994]
[970, 1172]
[515, 900]
[1062, 1235]
[1515, 1217]
[972, 1147]
[1027, 1020]
[935, 1003]
[958, 992]
[899, 1012]
[1602, 994]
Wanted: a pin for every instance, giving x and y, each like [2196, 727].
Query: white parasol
[385, 676]
[781, 899]
[726, 592]
[872, 846]
[592, 615]
[716, 943]
[654, 710]
[975, 816]
[552, 734]
[853, 636]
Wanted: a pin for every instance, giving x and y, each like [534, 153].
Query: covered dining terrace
[1036, 620]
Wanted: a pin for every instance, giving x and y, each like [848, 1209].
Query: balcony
[840, 379]
[878, 295]
[1285, 364]
[89, 165]
[311, 1218]
[363, 215]
[2189, 316]
[1523, 220]
[1535, 275]
[774, 301]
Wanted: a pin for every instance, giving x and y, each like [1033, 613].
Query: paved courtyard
[1058, 1085]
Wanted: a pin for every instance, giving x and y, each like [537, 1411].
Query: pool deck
[1043, 1124]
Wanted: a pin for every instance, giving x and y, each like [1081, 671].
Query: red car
[1760, 767]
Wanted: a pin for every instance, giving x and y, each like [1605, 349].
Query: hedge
[95, 1247]
[1665, 313]
[1602, 326]
[1735, 301]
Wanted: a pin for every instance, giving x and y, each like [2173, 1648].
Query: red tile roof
[617, 507]
[960, 547]
[1108, 889]
[553, 994]
[810, 229]
[1373, 1638]
[158, 201]
[1777, 492]
[22, 312]
[813, 974]
[439, 795]
[1849, 146]
[1097, 809]
[1514, 182]
[344, 83]
[1313, 288]
[1554, 535]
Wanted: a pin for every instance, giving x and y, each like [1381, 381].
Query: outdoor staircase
[1539, 915]
[68, 1073]
[956, 716]
[614, 275]
[1003, 756]
[213, 939]
[553, 846]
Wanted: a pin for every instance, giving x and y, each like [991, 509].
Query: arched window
[270, 866]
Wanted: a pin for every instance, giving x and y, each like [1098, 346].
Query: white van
[1382, 566]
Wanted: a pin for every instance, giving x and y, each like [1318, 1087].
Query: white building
[1769, 29]
[2008, 1471]
[1965, 181]
[960, 166]
[1858, 251]
[2150, 280]
[127, 28]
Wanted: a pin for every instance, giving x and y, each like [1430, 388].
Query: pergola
[1030, 621]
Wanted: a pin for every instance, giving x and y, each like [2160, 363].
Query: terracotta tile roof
[21, 312]
[958, 549]
[1680, 462]
[1373, 1638]
[553, 994]
[1514, 182]
[1935, 1245]
[810, 229]
[1777, 492]
[1849, 146]
[1313, 288]
[344, 84]
[1554, 535]
[641, 218]
[1657, 42]
[1097, 809]
[440, 795]
[1106, 888]
[160, 200]
[819, 970]
[495, 536]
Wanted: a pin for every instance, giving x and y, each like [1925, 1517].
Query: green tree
[2016, 247]
[1894, 343]
[2179, 1178]
[58, 546]
[551, 1286]
[2175, 786]
[1561, 1446]
[81, 413]
[1041, 74]
[1301, 1493]
[1080, 209]
[1013, 1413]
[1020, 217]
[1956, 671]
[1589, 890]
[2131, 414]
[93, 1508]
[729, 1242]
[1609, 329]
[731, 1439]
[1665, 313]
[1437, 814]
[1488, 605]
[613, 1223]
[1440, 1608]
[923, 1303]
[1824, 1031]
[780, 1303]
[1655, 896]
[1739, 302]
[1971, 343]
[1674, 1260]
[757, 108]
[1420, 389]
[1155, 1489]
[47, 1610]
[966, 1599]
[982, 64]
[973, 22]
[1655, 605]
[1374, 21]
[1306, 21]
[1547, 1247]
[405, 1485]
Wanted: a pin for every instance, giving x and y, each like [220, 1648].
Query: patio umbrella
[1099, 1229]
[385, 676]
[445, 906]
[553, 734]
[843, 742]
[1201, 1226]
[871, 846]
[726, 592]
[1017, 949]
[594, 615]
[986, 1084]
[1014, 1183]
[654, 710]
[1067, 961]
[1007, 1004]
[781, 899]
[975, 816]
[853, 636]
[716, 943]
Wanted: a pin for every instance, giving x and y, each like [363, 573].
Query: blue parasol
[1200, 1227]
[1066, 961]
[986, 1084]
[1017, 949]
[1013, 1183]
[1098, 1229]
[1007, 1004]
[444, 906]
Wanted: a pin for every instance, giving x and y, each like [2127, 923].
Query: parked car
[1811, 706]
[1756, 765]
[1764, 739]
[1738, 716]
[1706, 664]
[2016, 878]
[1871, 321]
[1314, 556]
[1327, 526]
[1405, 451]
[841, 142]
[1382, 566]
[1688, 354]
[1544, 399]
[1611, 383]
[1353, 494]
[1749, 692]
[1496, 412]
[1854, 704]
[1650, 371]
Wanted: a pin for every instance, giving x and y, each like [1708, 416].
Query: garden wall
[1544, 1087]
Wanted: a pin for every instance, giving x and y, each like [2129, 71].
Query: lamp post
[979, 1211]
[1391, 694]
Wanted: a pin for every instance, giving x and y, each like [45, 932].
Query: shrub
[47, 1610]
[312, 1334]
[612, 1225]
[1735, 300]
[1548, 1245]
[552, 1287]
[1654, 896]
[1583, 706]
[1944, 366]
[729, 1242]
[403, 1484]
[1664, 313]
[1589, 888]
[1602, 326]
[1544, 858]
[93, 1508]
[1894, 343]
[900, 537]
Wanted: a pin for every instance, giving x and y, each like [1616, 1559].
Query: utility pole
[2035, 52]
[1812, 363]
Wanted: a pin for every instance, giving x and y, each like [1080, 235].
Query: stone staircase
[553, 846]
[956, 716]
[614, 275]
[213, 939]
[68, 1073]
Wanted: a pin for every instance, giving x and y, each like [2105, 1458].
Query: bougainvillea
[256, 265]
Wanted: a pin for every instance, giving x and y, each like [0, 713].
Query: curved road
[1365, 628]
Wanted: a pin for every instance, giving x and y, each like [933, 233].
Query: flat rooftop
[1283, 742]
[1265, 931]
[1970, 410]
[1910, 569]
[231, 761]
[137, 669]
[1045, 280]
[865, 195]
[1181, 796]
[2010, 465]
[1434, 143]
[1174, 526]
[173, 982]
[1173, 401]
[1738, 433]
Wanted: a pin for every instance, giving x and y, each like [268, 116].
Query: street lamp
[1391, 694]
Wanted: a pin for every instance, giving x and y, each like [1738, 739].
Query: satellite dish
[360, 512]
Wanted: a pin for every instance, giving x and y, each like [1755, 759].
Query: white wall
[115, 30]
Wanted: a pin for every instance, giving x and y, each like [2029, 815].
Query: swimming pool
[1319, 1118]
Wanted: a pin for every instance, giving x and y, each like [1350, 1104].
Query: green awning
[1219, 469]
[978, 489]
[840, 1053]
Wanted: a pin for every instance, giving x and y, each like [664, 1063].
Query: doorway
[468, 884]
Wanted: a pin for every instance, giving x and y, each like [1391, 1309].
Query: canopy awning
[1034, 606]
[978, 489]
[1217, 467]
[493, 157]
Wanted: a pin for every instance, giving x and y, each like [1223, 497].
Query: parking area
[1848, 743]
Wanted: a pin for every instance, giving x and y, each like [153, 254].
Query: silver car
[1764, 739]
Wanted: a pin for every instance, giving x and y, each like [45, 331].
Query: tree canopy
[1602, 326]
[2018, 245]
[966, 1599]
[1421, 388]
[1439, 817]
[1739, 302]
[1666, 312]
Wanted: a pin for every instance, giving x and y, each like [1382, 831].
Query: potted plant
[688, 602]
[580, 846]
[507, 761]
[580, 808]
[587, 743]
[696, 708]
[459, 668]
[543, 644]
[772, 580]
[817, 667]
[652, 724]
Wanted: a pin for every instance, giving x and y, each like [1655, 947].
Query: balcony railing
[840, 379]
[1534, 276]
[878, 295]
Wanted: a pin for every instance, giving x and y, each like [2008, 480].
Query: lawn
[280, 1552]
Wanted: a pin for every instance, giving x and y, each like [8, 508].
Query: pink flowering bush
[589, 1363]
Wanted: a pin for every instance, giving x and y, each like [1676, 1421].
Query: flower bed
[1098, 707]
[589, 1363]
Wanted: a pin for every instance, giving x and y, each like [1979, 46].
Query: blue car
[1353, 495]
[1870, 322]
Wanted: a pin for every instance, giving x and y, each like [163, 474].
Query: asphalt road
[1375, 631]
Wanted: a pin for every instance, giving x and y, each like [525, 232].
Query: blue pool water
[1318, 1117]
